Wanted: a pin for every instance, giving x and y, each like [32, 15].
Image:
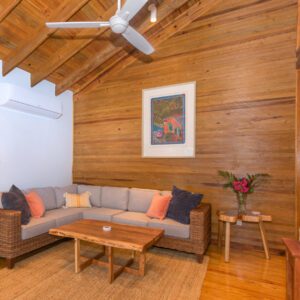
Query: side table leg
[220, 233]
[264, 239]
[227, 242]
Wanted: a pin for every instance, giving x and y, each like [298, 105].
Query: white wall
[35, 151]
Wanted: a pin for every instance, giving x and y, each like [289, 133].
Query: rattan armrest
[201, 222]
[10, 227]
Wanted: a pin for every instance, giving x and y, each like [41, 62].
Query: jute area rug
[50, 275]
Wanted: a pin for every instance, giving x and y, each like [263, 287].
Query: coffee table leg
[110, 265]
[264, 239]
[142, 264]
[227, 242]
[77, 255]
[133, 254]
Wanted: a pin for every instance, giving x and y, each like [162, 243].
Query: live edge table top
[121, 236]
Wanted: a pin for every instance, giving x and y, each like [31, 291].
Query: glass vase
[241, 198]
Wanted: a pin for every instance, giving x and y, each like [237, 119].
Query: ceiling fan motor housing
[118, 25]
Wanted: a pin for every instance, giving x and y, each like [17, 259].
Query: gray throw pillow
[60, 191]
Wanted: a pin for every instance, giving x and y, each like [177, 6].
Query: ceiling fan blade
[138, 41]
[77, 24]
[131, 8]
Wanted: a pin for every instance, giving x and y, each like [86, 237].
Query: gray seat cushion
[47, 194]
[101, 214]
[95, 193]
[140, 199]
[53, 218]
[64, 216]
[37, 226]
[60, 191]
[171, 227]
[132, 218]
[114, 197]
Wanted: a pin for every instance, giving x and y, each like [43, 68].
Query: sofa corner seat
[101, 213]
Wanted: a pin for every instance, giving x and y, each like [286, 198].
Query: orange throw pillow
[36, 205]
[159, 206]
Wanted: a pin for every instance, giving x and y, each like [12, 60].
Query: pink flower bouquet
[242, 186]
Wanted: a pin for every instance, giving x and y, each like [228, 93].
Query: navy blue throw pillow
[181, 204]
[15, 200]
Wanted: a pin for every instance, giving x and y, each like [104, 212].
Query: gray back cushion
[48, 196]
[60, 191]
[140, 199]
[114, 197]
[95, 193]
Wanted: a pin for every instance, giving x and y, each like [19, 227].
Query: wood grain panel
[297, 135]
[64, 11]
[8, 8]
[243, 59]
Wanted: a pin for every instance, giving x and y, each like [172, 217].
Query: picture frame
[168, 121]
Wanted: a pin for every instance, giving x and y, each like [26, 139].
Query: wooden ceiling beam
[66, 53]
[10, 7]
[165, 8]
[179, 19]
[65, 11]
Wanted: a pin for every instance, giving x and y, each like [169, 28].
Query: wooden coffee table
[133, 238]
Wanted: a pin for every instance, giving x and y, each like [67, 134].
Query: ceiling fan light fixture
[118, 25]
[153, 13]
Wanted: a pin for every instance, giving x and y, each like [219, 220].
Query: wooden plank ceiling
[76, 59]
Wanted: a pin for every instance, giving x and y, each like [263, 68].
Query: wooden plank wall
[297, 177]
[242, 56]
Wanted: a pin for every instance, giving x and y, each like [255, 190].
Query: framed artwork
[169, 121]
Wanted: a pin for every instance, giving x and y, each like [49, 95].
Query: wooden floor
[248, 275]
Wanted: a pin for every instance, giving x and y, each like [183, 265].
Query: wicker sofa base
[200, 235]
[12, 253]
[12, 246]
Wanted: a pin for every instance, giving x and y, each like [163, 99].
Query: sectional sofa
[115, 204]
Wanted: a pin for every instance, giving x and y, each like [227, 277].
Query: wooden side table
[231, 217]
[292, 269]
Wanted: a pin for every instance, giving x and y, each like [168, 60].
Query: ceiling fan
[119, 24]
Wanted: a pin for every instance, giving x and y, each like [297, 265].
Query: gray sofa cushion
[171, 227]
[64, 216]
[140, 199]
[101, 214]
[132, 218]
[37, 226]
[48, 196]
[1, 206]
[60, 191]
[95, 193]
[114, 197]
